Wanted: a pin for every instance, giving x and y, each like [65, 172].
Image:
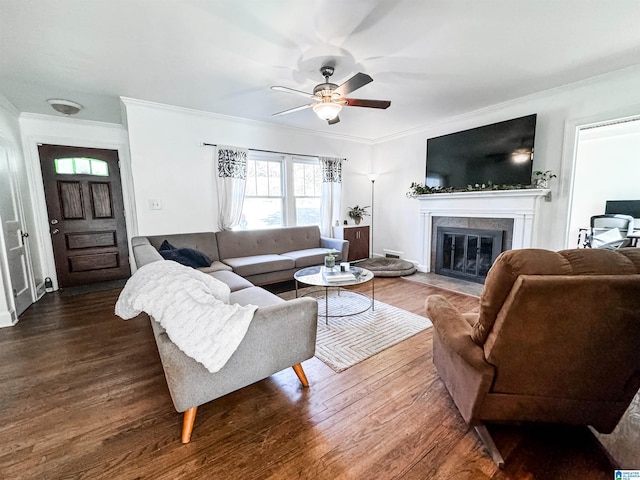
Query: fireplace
[467, 253]
[512, 211]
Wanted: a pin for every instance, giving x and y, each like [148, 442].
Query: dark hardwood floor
[83, 396]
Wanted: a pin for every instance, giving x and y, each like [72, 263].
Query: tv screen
[500, 154]
[625, 207]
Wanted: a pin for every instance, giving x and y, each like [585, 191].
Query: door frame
[569, 158]
[34, 172]
[11, 307]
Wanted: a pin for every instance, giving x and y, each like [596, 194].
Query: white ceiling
[432, 58]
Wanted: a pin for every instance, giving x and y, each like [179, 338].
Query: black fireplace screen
[467, 253]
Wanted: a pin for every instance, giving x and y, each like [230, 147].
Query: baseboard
[8, 319]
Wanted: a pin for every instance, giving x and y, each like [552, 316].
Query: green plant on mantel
[539, 179]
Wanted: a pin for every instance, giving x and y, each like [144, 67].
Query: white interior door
[14, 235]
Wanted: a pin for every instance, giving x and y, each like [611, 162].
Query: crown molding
[510, 103]
[8, 107]
[240, 120]
[71, 121]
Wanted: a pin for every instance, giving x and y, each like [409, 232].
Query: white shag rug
[349, 340]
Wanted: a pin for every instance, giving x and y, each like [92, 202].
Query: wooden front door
[86, 214]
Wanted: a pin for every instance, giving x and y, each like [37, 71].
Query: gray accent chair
[282, 334]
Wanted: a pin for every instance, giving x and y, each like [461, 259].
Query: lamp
[66, 107]
[372, 177]
[327, 110]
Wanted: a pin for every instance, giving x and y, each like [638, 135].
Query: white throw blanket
[191, 306]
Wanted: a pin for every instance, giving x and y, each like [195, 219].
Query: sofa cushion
[593, 261]
[511, 264]
[254, 296]
[307, 257]
[233, 280]
[216, 266]
[633, 254]
[503, 274]
[256, 264]
[236, 244]
[186, 256]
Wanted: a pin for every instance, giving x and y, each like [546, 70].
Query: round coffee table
[317, 276]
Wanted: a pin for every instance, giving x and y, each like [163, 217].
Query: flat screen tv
[625, 207]
[500, 154]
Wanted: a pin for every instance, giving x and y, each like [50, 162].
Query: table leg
[326, 305]
[373, 293]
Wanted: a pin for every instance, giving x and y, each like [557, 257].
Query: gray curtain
[331, 193]
[231, 174]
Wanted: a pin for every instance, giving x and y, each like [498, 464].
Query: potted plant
[357, 213]
[541, 179]
[330, 259]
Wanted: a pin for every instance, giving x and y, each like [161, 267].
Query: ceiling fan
[329, 98]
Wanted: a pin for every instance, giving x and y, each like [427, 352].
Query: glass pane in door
[472, 255]
[447, 247]
[485, 256]
[458, 253]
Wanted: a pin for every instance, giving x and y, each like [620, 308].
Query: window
[307, 185]
[81, 166]
[281, 190]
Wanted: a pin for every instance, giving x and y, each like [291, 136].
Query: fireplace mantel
[519, 205]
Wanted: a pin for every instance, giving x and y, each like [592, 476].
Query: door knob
[55, 231]
[24, 234]
[54, 221]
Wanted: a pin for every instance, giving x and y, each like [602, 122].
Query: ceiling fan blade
[291, 110]
[357, 81]
[333, 121]
[292, 90]
[359, 102]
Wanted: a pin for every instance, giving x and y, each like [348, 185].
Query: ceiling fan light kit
[327, 110]
[329, 98]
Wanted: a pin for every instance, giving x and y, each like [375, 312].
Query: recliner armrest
[455, 332]
[458, 359]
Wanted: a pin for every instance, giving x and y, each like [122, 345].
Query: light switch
[155, 204]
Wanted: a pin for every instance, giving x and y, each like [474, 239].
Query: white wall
[607, 168]
[170, 164]
[402, 160]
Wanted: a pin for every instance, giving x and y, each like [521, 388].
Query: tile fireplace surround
[519, 205]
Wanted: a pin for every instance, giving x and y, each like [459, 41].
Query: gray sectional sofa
[260, 256]
[282, 333]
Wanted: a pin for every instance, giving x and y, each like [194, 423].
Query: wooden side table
[358, 237]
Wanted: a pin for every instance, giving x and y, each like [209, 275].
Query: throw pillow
[186, 256]
[166, 246]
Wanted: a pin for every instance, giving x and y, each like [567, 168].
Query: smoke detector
[66, 107]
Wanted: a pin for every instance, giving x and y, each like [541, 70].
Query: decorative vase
[357, 220]
[329, 261]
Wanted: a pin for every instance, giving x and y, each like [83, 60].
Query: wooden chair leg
[485, 436]
[187, 424]
[301, 376]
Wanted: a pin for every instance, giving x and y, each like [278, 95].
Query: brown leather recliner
[557, 340]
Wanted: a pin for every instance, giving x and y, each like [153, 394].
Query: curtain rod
[204, 144]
